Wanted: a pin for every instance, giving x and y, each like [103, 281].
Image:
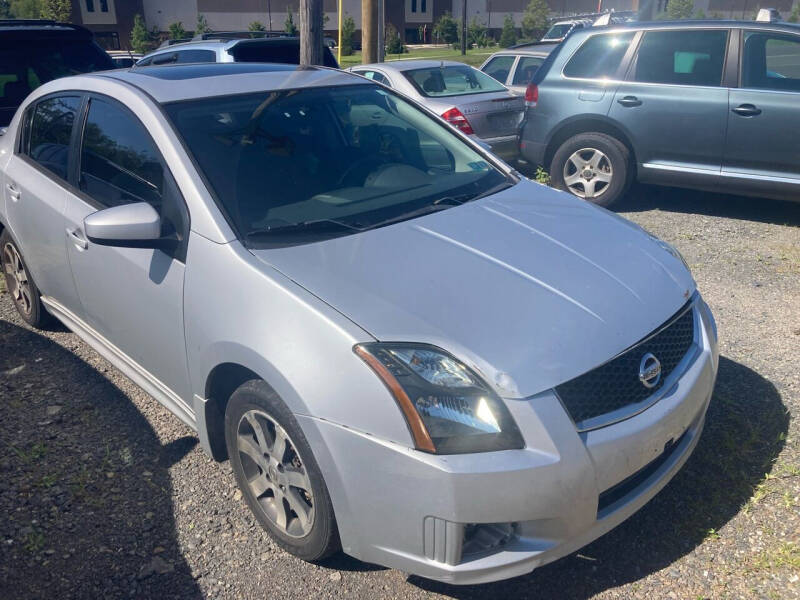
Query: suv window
[526, 69]
[694, 57]
[771, 61]
[196, 56]
[119, 161]
[599, 57]
[50, 131]
[499, 67]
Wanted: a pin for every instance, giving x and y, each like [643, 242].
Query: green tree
[176, 31]
[289, 25]
[509, 35]
[795, 16]
[699, 14]
[256, 26]
[141, 39]
[57, 10]
[394, 45]
[534, 19]
[446, 29]
[202, 25]
[348, 31]
[477, 34]
[26, 9]
[680, 9]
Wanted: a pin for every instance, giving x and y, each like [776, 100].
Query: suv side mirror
[135, 225]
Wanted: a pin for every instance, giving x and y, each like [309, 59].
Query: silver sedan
[405, 350]
[463, 96]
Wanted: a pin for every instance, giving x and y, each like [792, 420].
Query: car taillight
[456, 119]
[531, 95]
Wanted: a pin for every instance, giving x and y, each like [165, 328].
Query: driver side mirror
[135, 225]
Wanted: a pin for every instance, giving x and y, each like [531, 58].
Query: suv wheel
[592, 166]
[277, 474]
[20, 285]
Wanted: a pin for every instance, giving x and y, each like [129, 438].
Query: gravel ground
[105, 494]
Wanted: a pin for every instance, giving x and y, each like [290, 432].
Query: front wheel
[20, 285]
[592, 166]
[277, 473]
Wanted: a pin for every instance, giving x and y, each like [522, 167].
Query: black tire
[616, 164]
[322, 539]
[29, 306]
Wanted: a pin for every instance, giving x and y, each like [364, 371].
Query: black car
[33, 52]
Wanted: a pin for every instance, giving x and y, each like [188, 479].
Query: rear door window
[599, 57]
[49, 133]
[771, 61]
[196, 56]
[693, 57]
[499, 67]
[526, 69]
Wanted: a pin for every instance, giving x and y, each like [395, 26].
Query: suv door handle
[76, 237]
[628, 101]
[13, 191]
[747, 110]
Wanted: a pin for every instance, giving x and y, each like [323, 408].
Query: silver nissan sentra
[406, 350]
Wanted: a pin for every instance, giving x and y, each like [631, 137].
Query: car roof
[535, 49]
[215, 43]
[41, 28]
[172, 83]
[409, 65]
[699, 24]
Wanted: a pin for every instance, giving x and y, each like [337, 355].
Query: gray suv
[706, 105]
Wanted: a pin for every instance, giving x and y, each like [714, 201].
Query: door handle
[76, 237]
[13, 191]
[747, 110]
[629, 101]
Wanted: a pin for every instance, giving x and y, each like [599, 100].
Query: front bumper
[409, 510]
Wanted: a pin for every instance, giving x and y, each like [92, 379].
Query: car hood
[531, 287]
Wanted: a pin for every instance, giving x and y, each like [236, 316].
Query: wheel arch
[588, 124]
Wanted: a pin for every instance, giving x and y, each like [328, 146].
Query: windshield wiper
[318, 225]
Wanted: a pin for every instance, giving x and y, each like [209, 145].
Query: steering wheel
[357, 172]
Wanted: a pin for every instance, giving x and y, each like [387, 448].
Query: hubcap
[17, 279]
[587, 173]
[276, 476]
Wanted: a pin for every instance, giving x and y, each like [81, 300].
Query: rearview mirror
[129, 226]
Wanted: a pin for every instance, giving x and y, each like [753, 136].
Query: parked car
[465, 97]
[33, 52]
[559, 30]
[515, 67]
[227, 49]
[402, 347]
[124, 59]
[706, 105]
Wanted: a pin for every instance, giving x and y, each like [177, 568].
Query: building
[110, 20]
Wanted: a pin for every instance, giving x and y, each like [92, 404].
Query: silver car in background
[462, 95]
[404, 349]
[515, 67]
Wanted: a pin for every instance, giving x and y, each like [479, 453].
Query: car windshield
[297, 166]
[557, 31]
[455, 80]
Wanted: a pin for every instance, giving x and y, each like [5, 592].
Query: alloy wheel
[17, 279]
[275, 473]
[588, 173]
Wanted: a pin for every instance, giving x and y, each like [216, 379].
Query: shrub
[202, 25]
[288, 25]
[348, 30]
[509, 35]
[394, 45]
[534, 19]
[176, 31]
[446, 29]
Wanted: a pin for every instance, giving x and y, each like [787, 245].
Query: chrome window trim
[626, 412]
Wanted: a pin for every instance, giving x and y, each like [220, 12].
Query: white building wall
[160, 13]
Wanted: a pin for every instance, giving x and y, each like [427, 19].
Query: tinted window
[557, 31]
[25, 66]
[526, 69]
[196, 56]
[771, 61]
[599, 57]
[286, 52]
[452, 81]
[693, 57]
[499, 67]
[119, 161]
[374, 75]
[50, 131]
[292, 167]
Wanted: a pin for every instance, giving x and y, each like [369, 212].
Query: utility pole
[269, 14]
[339, 43]
[464, 28]
[381, 29]
[369, 31]
[311, 32]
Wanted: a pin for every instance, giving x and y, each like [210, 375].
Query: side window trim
[732, 74]
[513, 70]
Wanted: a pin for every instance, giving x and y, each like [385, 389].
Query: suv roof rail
[238, 35]
[595, 15]
[168, 43]
[526, 44]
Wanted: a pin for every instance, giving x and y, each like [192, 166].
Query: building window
[422, 6]
[104, 6]
[89, 5]
[413, 6]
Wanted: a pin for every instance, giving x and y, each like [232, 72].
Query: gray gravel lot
[103, 493]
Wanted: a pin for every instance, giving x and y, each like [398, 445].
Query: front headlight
[448, 408]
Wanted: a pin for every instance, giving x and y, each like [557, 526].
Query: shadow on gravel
[84, 489]
[648, 197]
[745, 430]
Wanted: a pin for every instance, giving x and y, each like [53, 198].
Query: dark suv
[708, 105]
[35, 51]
